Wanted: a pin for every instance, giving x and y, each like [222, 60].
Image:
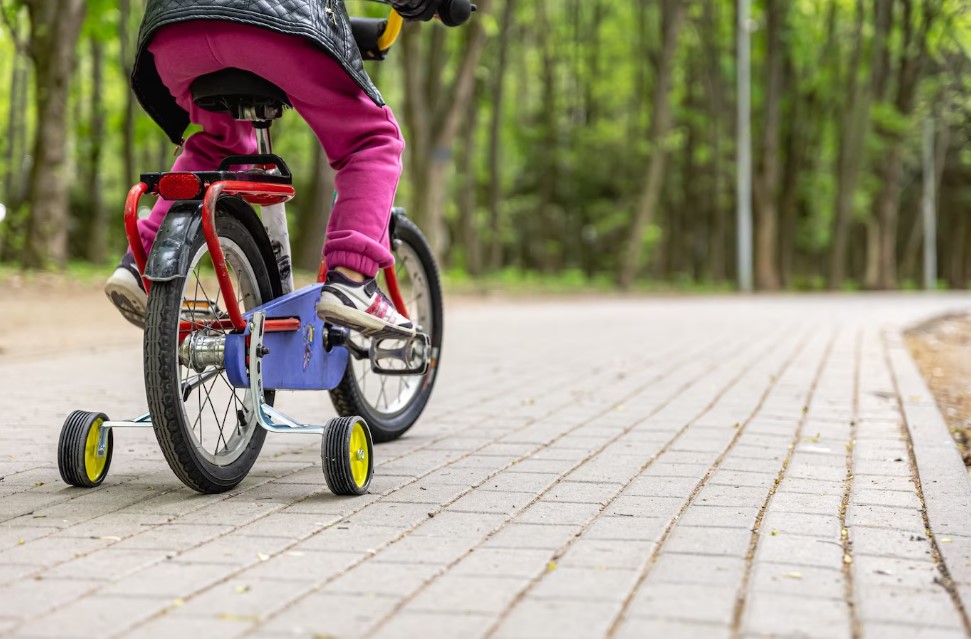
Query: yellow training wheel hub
[360, 461]
[94, 466]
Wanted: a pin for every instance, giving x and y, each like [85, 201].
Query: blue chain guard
[297, 359]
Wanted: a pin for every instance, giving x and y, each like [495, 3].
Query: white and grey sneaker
[361, 306]
[126, 291]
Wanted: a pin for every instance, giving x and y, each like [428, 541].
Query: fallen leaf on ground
[262, 556]
[241, 589]
[225, 616]
[794, 575]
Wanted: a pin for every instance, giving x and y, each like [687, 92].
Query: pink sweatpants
[362, 141]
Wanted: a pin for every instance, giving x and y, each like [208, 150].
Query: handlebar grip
[454, 13]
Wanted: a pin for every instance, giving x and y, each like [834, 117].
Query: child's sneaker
[361, 306]
[126, 291]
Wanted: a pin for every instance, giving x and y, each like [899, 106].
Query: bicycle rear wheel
[198, 416]
[392, 404]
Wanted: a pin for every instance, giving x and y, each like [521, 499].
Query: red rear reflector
[180, 186]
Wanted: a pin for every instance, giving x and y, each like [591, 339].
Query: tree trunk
[15, 147]
[766, 182]
[672, 15]
[96, 249]
[54, 29]
[716, 91]
[913, 53]
[495, 136]
[855, 124]
[127, 62]
[468, 200]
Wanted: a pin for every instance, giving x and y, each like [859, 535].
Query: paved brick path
[664, 468]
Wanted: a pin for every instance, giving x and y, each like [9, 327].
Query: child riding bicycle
[306, 48]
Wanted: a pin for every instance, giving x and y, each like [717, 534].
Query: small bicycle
[225, 330]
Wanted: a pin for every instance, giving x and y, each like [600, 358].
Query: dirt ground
[942, 349]
[47, 314]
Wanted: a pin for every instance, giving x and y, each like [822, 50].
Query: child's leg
[362, 140]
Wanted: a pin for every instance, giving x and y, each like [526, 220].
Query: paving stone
[495, 502]
[472, 594]
[890, 543]
[410, 624]
[502, 562]
[684, 568]
[892, 571]
[907, 605]
[626, 528]
[703, 515]
[690, 602]
[639, 627]
[801, 550]
[540, 536]
[708, 540]
[906, 519]
[585, 583]
[786, 523]
[552, 619]
[558, 513]
[781, 615]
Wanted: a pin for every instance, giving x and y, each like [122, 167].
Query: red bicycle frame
[260, 193]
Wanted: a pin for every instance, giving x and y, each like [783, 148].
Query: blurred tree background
[592, 140]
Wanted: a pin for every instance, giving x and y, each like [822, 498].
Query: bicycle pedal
[411, 355]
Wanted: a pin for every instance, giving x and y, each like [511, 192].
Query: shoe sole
[131, 308]
[366, 324]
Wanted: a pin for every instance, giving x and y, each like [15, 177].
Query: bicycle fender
[169, 258]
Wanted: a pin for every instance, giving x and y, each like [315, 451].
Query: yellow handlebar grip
[391, 32]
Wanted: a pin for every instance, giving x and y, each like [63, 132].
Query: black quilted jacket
[325, 22]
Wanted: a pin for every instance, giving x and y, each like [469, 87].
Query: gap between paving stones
[848, 583]
[604, 506]
[627, 397]
[741, 599]
[657, 377]
[537, 578]
[936, 554]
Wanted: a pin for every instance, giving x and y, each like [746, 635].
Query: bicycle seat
[245, 95]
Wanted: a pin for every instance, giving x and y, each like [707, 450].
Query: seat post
[263, 140]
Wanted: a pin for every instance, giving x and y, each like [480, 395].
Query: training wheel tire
[346, 454]
[77, 450]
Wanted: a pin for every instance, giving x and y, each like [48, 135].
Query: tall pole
[929, 207]
[744, 190]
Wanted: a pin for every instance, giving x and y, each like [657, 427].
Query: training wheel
[77, 450]
[346, 454]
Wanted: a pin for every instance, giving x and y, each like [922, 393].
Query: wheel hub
[199, 351]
